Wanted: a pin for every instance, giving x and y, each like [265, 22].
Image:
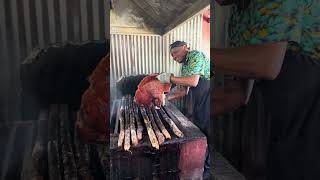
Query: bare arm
[257, 61]
[178, 93]
[191, 81]
[231, 97]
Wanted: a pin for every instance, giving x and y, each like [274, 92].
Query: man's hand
[164, 77]
[242, 61]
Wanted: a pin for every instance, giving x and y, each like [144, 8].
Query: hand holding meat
[164, 77]
[151, 90]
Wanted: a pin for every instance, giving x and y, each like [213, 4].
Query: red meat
[151, 90]
[93, 115]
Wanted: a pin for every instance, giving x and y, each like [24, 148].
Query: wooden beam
[152, 135]
[120, 118]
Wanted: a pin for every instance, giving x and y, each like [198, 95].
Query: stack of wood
[133, 119]
[59, 152]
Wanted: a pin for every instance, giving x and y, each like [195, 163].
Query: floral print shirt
[196, 64]
[266, 21]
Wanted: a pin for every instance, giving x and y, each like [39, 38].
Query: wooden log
[39, 151]
[69, 165]
[103, 155]
[53, 155]
[127, 125]
[138, 120]
[159, 135]
[160, 124]
[120, 118]
[83, 156]
[152, 136]
[134, 138]
[173, 126]
[53, 161]
[58, 145]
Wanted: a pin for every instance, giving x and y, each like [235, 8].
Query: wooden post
[173, 126]
[120, 118]
[127, 125]
[83, 157]
[39, 152]
[53, 155]
[134, 138]
[69, 165]
[138, 120]
[150, 131]
[155, 127]
[160, 124]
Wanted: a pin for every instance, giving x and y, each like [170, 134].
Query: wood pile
[133, 120]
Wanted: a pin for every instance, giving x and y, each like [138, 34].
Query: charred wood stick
[134, 138]
[53, 160]
[53, 155]
[173, 126]
[160, 124]
[120, 118]
[155, 127]
[39, 151]
[83, 157]
[59, 146]
[127, 125]
[152, 136]
[138, 120]
[69, 165]
[53, 122]
[102, 151]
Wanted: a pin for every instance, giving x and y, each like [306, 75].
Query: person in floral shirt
[194, 83]
[276, 43]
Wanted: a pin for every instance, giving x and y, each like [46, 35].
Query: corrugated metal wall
[145, 54]
[190, 32]
[28, 24]
[135, 54]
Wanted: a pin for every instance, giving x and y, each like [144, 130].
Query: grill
[177, 158]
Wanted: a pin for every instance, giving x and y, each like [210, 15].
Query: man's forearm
[177, 94]
[191, 81]
[229, 98]
[259, 61]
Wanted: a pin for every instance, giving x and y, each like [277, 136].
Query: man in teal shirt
[195, 83]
